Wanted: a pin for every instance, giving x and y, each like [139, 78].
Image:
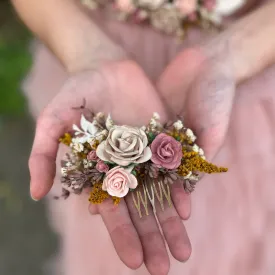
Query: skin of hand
[114, 88]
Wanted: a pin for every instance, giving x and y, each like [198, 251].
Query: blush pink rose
[102, 167]
[92, 156]
[166, 152]
[118, 181]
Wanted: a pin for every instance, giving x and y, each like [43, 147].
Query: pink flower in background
[209, 4]
[102, 167]
[118, 181]
[166, 152]
[92, 156]
[126, 6]
[186, 6]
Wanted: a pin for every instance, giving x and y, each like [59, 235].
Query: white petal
[101, 153]
[92, 128]
[84, 123]
[75, 128]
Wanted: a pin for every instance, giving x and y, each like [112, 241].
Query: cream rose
[125, 145]
[118, 181]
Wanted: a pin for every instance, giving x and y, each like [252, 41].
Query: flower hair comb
[115, 161]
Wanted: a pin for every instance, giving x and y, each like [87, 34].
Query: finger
[155, 254]
[123, 234]
[93, 209]
[209, 104]
[173, 230]
[43, 155]
[181, 200]
[177, 78]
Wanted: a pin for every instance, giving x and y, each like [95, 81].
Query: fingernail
[34, 199]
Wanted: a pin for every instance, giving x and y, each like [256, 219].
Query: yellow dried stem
[97, 195]
[181, 137]
[66, 139]
[192, 162]
[116, 200]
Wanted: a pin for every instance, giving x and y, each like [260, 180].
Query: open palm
[123, 90]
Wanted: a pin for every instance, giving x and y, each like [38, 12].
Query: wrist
[246, 47]
[251, 42]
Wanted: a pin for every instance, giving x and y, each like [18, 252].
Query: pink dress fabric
[232, 227]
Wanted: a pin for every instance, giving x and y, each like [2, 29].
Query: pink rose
[102, 167]
[186, 6]
[118, 181]
[92, 156]
[166, 152]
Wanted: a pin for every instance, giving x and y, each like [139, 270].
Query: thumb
[209, 103]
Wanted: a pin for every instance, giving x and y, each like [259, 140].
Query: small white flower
[201, 152]
[64, 171]
[156, 116]
[178, 125]
[188, 176]
[78, 147]
[69, 164]
[196, 148]
[153, 123]
[191, 135]
[85, 163]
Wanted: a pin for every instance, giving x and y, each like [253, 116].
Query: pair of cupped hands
[195, 85]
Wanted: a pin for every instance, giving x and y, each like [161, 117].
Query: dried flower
[167, 19]
[92, 156]
[118, 181]
[98, 195]
[78, 147]
[102, 167]
[124, 145]
[190, 135]
[166, 151]
[178, 125]
[150, 4]
[66, 139]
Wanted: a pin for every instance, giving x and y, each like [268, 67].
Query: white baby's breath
[201, 152]
[191, 135]
[78, 147]
[196, 148]
[178, 125]
[156, 116]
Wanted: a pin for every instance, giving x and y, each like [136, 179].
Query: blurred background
[26, 242]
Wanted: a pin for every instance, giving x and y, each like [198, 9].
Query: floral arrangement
[113, 161]
[171, 17]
